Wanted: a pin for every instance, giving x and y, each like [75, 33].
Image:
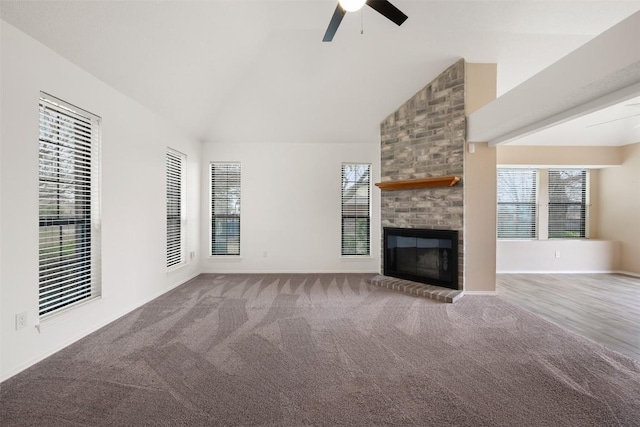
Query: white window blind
[225, 208]
[356, 209]
[567, 203]
[175, 208]
[69, 214]
[517, 203]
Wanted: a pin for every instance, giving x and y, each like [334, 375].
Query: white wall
[539, 256]
[290, 207]
[134, 141]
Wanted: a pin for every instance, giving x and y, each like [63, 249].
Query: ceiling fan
[383, 7]
[621, 113]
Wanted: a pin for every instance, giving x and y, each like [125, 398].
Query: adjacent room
[280, 212]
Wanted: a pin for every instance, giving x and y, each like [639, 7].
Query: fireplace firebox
[422, 255]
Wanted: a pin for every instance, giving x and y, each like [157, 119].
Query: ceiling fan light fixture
[352, 5]
[383, 7]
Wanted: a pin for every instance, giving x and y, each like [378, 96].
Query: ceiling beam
[601, 73]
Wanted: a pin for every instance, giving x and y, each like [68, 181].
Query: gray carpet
[293, 350]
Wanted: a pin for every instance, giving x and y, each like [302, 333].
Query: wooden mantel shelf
[410, 184]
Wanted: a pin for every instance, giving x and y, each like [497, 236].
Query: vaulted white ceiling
[257, 70]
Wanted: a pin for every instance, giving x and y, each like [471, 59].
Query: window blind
[175, 207]
[567, 203]
[517, 203]
[356, 203]
[69, 246]
[225, 208]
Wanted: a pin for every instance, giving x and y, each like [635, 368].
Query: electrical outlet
[557, 254]
[21, 320]
[192, 254]
[265, 254]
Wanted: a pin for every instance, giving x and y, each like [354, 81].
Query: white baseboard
[485, 293]
[176, 284]
[289, 272]
[110, 319]
[557, 272]
[627, 273]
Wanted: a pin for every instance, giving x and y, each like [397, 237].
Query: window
[563, 203]
[356, 221]
[175, 208]
[517, 198]
[69, 227]
[225, 208]
[567, 203]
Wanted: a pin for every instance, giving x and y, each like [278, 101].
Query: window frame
[544, 223]
[237, 216]
[344, 252]
[533, 206]
[68, 138]
[173, 261]
[583, 206]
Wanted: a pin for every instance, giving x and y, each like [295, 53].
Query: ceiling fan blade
[613, 120]
[388, 10]
[334, 23]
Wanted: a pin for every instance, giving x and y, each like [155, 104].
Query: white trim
[230, 258]
[550, 166]
[370, 200]
[287, 272]
[49, 319]
[176, 267]
[627, 273]
[210, 185]
[183, 207]
[486, 293]
[558, 272]
[87, 150]
[172, 286]
[94, 328]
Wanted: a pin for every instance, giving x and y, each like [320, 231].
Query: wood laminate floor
[602, 307]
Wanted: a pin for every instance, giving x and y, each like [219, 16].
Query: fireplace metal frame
[424, 234]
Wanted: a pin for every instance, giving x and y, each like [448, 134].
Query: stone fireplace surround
[425, 138]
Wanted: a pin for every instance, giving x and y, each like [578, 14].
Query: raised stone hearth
[418, 289]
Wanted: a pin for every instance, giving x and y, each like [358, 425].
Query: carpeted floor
[294, 350]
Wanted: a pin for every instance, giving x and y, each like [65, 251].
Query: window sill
[176, 267]
[232, 258]
[65, 314]
[355, 257]
[554, 239]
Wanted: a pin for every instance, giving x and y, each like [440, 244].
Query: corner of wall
[481, 85]
[480, 188]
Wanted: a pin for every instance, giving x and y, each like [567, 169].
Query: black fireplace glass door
[403, 253]
[428, 259]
